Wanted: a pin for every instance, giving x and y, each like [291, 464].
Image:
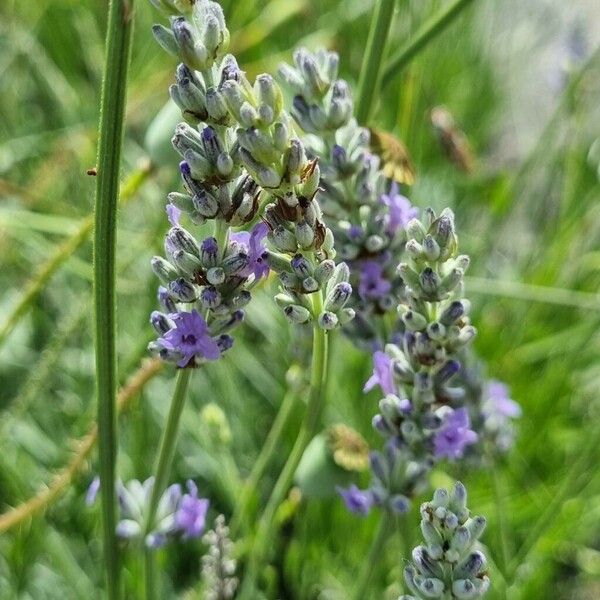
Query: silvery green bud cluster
[365, 214]
[321, 102]
[302, 278]
[218, 565]
[449, 564]
[197, 37]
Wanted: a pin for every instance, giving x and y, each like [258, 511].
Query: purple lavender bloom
[190, 517]
[173, 214]
[191, 337]
[454, 435]
[252, 242]
[373, 284]
[401, 211]
[383, 374]
[357, 501]
[499, 403]
[92, 491]
[355, 232]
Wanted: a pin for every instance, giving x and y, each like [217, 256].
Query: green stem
[149, 574]
[269, 449]
[318, 384]
[386, 527]
[118, 44]
[428, 32]
[368, 83]
[168, 443]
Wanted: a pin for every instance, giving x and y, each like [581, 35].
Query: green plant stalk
[114, 84]
[429, 31]
[370, 71]
[264, 458]
[318, 385]
[168, 444]
[150, 578]
[385, 528]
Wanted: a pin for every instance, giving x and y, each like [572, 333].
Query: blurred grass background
[520, 79]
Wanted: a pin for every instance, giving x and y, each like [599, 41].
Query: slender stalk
[386, 527]
[168, 443]
[368, 83]
[265, 456]
[431, 29]
[149, 575]
[114, 84]
[318, 384]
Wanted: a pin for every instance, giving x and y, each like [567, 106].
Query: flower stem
[149, 574]
[368, 83]
[386, 527]
[114, 84]
[270, 447]
[168, 443]
[428, 32]
[318, 385]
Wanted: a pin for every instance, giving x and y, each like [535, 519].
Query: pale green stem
[269, 449]
[168, 444]
[368, 83]
[114, 84]
[318, 385]
[430, 30]
[385, 529]
[150, 575]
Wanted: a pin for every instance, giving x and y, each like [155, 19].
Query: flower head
[356, 500]
[454, 435]
[190, 337]
[190, 517]
[383, 369]
[373, 284]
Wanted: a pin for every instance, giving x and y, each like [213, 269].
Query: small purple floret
[191, 337]
[357, 501]
[454, 435]
[383, 374]
[190, 517]
[253, 243]
[400, 210]
[373, 284]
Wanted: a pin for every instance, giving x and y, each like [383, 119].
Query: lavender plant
[449, 564]
[218, 566]
[179, 514]
[365, 213]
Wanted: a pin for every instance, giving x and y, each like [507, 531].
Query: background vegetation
[521, 80]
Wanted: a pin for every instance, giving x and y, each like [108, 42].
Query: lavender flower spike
[449, 564]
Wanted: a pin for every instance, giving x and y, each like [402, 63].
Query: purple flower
[173, 214]
[499, 403]
[356, 500]
[372, 283]
[454, 435]
[258, 257]
[92, 491]
[400, 210]
[383, 374]
[190, 517]
[190, 337]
